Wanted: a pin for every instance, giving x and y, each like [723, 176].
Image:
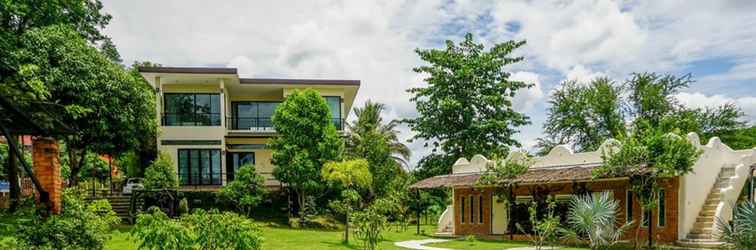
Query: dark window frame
[661, 216]
[235, 118]
[214, 117]
[628, 206]
[472, 209]
[230, 171]
[480, 209]
[189, 175]
[337, 121]
[462, 205]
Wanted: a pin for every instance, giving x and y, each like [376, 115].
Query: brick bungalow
[688, 205]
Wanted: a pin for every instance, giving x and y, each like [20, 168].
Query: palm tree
[595, 217]
[370, 126]
[741, 234]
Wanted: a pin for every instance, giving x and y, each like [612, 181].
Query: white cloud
[581, 74]
[700, 100]
[525, 99]
[374, 41]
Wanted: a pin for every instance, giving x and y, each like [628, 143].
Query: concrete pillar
[45, 155]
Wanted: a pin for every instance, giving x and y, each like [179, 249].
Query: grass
[288, 238]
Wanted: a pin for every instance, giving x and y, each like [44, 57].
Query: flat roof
[298, 81]
[188, 70]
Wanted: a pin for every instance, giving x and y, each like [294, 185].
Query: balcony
[191, 119]
[263, 124]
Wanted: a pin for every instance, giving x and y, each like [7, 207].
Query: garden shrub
[369, 224]
[161, 174]
[741, 232]
[198, 230]
[246, 191]
[80, 226]
[156, 231]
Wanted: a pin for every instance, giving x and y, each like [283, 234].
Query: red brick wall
[667, 233]
[46, 161]
[472, 227]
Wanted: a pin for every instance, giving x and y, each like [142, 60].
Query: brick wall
[666, 233]
[46, 161]
[470, 226]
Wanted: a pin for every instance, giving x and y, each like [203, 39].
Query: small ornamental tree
[647, 156]
[161, 174]
[246, 191]
[502, 173]
[307, 140]
[351, 176]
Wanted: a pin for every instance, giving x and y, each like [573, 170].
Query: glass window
[629, 206]
[257, 115]
[199, 166]
[662, 209]
[472, 209]
[183, 169]
[480, 209]
[334, 104]
[462, 205]
[191, 109]
[235, 160]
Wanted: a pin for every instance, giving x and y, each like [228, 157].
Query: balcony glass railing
[263, 123]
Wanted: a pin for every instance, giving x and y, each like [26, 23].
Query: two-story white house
[212, 121]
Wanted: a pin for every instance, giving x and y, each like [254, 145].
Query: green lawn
[287, 238]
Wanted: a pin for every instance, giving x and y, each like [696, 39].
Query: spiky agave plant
[596, 218]
[741, 233]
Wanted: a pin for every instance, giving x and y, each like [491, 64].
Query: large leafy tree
[106, 107]
[307, 140]
[585, 115]
[468, 99]
[17, 17]
[376, 141]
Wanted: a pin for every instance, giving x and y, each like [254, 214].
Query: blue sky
[375, 41]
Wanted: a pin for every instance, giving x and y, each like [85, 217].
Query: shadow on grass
[340, 244]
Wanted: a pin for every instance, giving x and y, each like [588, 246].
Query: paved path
[418, 244]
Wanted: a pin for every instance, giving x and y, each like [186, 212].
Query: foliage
[741, 233]
[156, 231]
[377, 142]
[246, 191]
[226, 230]
[546, 229]
[596, 218]
[161, 174]
[199, 230]
[369, 224]
[351, 176]
[468, 99]
[87, 88]
[93, 167]
[80, 226]
[307, 140]
[586, 115]
[744, 138]
[130, 165]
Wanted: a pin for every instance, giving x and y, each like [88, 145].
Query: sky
[375, 42]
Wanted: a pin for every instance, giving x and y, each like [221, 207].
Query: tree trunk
[346, 226]
[74, 163]
[12, 171]
[301, 200]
